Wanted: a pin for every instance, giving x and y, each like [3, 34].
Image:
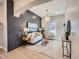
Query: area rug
[49, 50]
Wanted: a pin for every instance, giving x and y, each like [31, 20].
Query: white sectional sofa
[33, 37]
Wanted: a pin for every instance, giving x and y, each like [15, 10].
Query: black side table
[66, 46]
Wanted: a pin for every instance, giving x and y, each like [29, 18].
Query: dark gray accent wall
[15, 25]
[13, 30]
[28, 17]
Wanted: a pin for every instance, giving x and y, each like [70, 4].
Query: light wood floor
[24, 53]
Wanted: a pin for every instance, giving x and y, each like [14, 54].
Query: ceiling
[23, 5]
[55, 7]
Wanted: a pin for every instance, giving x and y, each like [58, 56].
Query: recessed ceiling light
[56, 12]
[34, 7]
[53, 0]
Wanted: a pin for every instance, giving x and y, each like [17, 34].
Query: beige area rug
[52, 49]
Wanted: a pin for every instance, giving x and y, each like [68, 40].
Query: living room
[35, 29]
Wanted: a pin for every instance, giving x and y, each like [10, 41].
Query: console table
[66, 46]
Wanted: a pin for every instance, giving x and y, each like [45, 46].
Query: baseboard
[4, 49]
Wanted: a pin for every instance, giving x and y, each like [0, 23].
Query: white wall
[5, 24]
[72, 14]
[1, 12]
[3, 20]
[59, 24]
[1, 30]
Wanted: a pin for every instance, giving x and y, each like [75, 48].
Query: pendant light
[47, 17]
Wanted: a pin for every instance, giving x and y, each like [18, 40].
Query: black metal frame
[66, 46]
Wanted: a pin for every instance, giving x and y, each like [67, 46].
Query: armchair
[50, 35]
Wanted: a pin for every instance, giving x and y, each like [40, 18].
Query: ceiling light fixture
[53, 0]
[34, 7]
[46, 17]
[56, 12]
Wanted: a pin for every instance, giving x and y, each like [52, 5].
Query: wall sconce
[25, 29]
